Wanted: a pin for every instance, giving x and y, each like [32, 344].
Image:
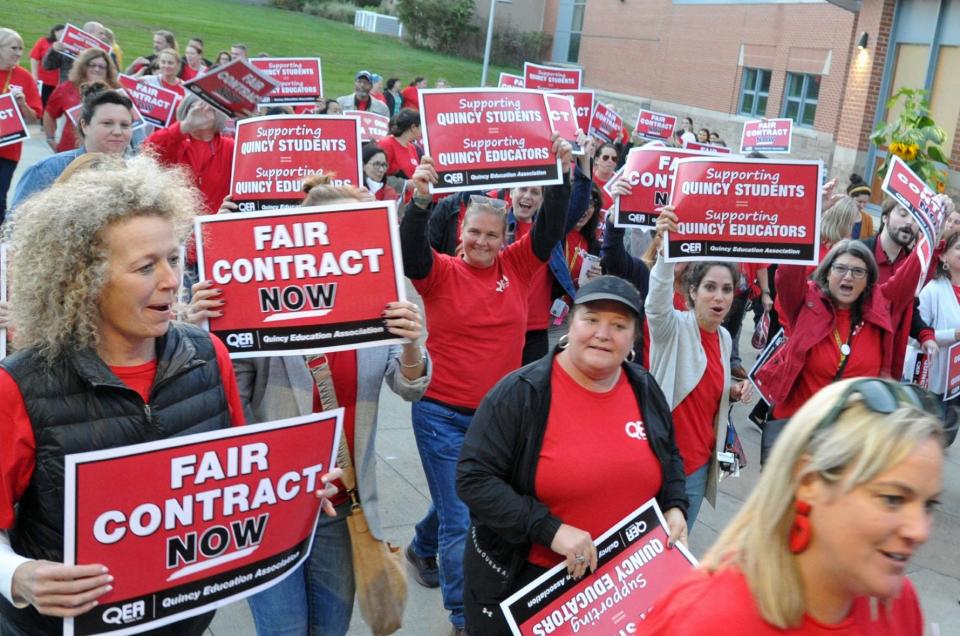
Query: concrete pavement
[935, 570]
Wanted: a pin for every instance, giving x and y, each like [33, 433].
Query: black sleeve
[52, 60]
[439, 229]
[917, 323]
[617, 261]
[487, 458]
[579, 199]
[547, 230]
[417, 254]
[655, 409]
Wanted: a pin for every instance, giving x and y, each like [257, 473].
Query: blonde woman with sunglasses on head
[824, 541]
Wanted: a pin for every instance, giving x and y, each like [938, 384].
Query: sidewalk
[935, 571]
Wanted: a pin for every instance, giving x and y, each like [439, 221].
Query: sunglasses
[884, 397]
[499, 204]
[608, 157]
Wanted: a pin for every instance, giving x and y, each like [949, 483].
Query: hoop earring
[801, 532]
[564, 341]
[631, 356]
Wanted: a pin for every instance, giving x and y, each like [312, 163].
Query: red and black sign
[752, 210]
[302, 280]
[156, 104]
[299, 79]
[605, 124]
[707, 148]
[273, 155]
[649, 171]
[634, 569]
[773, 346]
[564, 116]
[13, 129]
[657, 126]
[488, 137]
[75, 41]
[583, 102]
[509, 80]
[208, 519]
[952, 389]
[234, 88]
[540, 77]
[766, 135]
[373, 127]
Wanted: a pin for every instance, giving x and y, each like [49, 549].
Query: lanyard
[571, 260]
[6, 82]
[844, 349]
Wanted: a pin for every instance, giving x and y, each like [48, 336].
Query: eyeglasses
[378, 164]
[884, 397]
[842, 270]
[498, 204]
[97, 67]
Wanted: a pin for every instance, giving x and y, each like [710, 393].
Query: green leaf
[935, 153]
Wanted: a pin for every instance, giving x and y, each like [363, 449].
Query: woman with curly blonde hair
[825, 539]
[95, 269]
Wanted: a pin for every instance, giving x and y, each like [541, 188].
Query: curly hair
[58, 258]
[78, 72]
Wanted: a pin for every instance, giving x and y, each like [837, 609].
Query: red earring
[801, 532]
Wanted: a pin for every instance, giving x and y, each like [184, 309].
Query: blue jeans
[316, 599]
[696, 489]
[439, 432]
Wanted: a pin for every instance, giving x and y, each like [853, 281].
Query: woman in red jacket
[18, 82]
[840, 325]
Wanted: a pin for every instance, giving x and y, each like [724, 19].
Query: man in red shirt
[360, 99]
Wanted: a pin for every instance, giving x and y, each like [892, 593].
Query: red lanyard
[6, 82]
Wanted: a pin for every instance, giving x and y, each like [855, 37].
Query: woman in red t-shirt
[93, 65]
[192, 63]
[411, 94]
[605, 164]
[823, 543]
[48, 78]
[536, 471]
[311, 599]
[17, 81]
[168, 71]
[690, 358]
[400, 146]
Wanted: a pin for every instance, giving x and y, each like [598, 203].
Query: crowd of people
[564, 356]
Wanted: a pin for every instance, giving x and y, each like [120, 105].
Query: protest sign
[299, 80]
[658, 126]
[273, 155]
[188, 524]
[583, 103]
[563, 113]
[302, 280]
[773, 345]
[952, 388]
[706, 148]
[540, 77]
[157, 105]
[488, 137]
[634, 569]
[234, 88]
[13, 129]
[745, 210]
[509, 80]
[766, 135]
[373, 127]
[649, 171]
[75, 41]
[605, 124]
[137, 121]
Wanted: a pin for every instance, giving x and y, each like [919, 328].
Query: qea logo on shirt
[636, 431]
[503, 283]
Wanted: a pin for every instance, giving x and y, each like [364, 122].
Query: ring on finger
[580, 558]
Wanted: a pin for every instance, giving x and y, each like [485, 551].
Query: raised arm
[417, 253]
[547, 230]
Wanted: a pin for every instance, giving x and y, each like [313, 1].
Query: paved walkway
[935, 570]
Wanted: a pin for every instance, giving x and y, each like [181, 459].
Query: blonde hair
[852, 451]
[838, 220]
[319, 190]
[9, 35]
[78, 72]
[89, 161]
[56, 241]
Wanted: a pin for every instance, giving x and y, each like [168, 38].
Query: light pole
[486, 48]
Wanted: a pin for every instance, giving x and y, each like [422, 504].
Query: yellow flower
[897, 148]
[911, 152]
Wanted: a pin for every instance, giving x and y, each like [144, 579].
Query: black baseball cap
[610, 288]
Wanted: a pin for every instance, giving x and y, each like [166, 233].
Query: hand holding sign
[667, 221]
[329, 491]
[424, 176]
[55, 589]
[578, 548]
[677, 524]
[402, 318]
[205, 303]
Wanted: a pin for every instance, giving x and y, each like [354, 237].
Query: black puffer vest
[78, 405]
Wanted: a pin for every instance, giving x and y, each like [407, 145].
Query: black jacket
[498, 461]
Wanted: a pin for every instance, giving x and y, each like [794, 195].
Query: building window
[576, 29]
[754, 91]
[800, 98]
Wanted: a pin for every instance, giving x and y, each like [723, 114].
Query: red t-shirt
[541, 289]
[187, 73]
[64, 97]
[411, 98]
[51, 77]
[477, 320]
[606, 201]
[603, 449]
[694, 419]
[573, 250]
[401, 160]
[18, 451]
[703, 601]
[19, 76]
[885, 266]
[343, 370]
[823, 360]
[176, 88]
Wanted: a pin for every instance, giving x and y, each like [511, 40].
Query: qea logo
[126, 613]
[691, 248]
[240, 340]
[453, 178]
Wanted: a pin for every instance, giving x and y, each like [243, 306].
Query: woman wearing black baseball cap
[530, 511]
